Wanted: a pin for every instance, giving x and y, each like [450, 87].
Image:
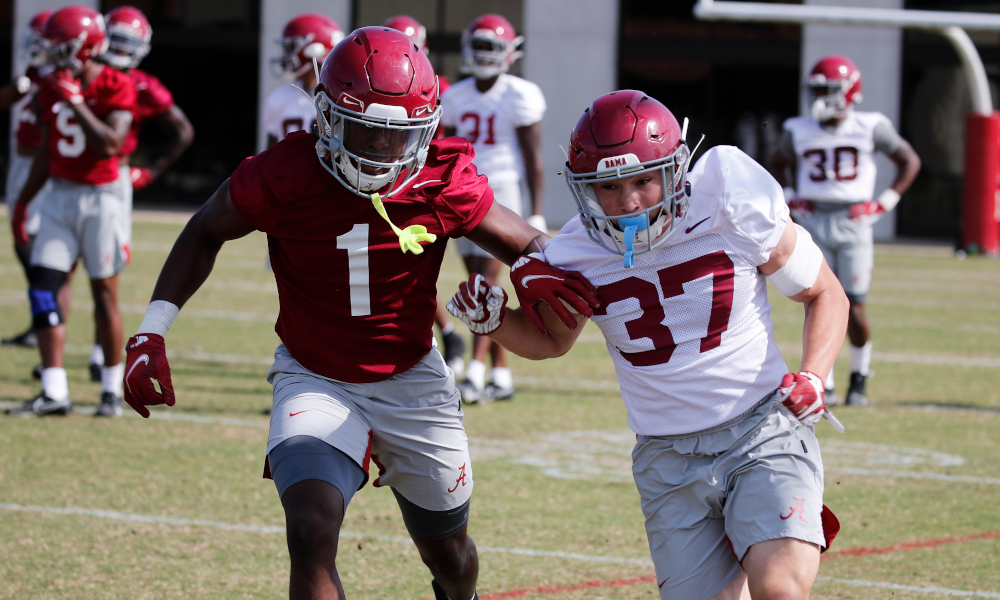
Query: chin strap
[632, 225]
[410, 237]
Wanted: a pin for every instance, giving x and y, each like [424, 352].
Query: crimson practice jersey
[689, 327]
[353, 307]
[152, 100]
[71, 157]
[29, 132]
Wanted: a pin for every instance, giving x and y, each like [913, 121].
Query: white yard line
[885, 585]
[137, 518]
[914, 475]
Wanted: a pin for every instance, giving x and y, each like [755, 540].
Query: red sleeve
[118, 94]
[251, 193]
[154, 98]
[464, 196]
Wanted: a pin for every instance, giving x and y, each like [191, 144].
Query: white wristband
[160, 315]
[888, 199]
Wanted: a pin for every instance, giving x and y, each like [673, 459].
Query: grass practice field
[174, 506]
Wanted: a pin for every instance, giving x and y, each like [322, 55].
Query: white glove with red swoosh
[802, 394]
[537, 281]
[146, 363]
[478, 305]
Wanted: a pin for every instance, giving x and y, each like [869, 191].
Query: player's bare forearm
[181, 133]
[519, 335]
[193, 256]
[530, 140]
[826, 309]
[908, 161]
[505, 235]
[39, 172]
[106, 137]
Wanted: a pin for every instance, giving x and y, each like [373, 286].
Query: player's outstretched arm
[505, 235]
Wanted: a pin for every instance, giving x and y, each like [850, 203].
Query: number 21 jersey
[689, 326]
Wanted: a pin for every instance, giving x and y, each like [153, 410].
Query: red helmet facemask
[621, 135]
[377, 111]
[129, 34]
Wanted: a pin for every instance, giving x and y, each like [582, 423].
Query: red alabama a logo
[798, 508]
[460, 480]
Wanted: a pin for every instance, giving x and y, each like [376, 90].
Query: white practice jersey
[689, 326]
[838, 164]
[287, 110]
[490, 121]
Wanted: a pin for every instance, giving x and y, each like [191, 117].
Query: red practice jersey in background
[71, 157]
[29, 130]
[152, 100]
[368, 316]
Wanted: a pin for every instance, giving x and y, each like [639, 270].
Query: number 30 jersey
[689, 326]
[71, 157]
[837, 164]
[353, 306]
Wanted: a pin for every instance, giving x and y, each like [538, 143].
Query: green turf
[566, 420]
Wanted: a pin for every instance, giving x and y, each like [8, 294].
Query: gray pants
[846, 244]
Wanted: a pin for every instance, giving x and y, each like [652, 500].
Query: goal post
[980, 208]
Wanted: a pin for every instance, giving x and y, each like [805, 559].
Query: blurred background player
[20, 96]
[129, 36]
[500, 115]
[454, 345]
[834, 148]
[304, 38]
[86, 111]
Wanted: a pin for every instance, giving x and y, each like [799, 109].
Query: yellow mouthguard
[409, 238]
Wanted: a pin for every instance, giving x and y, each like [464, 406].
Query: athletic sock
[97, 355]
[111, 378]
[502, 377]
[829, 380]
[475, 372]
[54, 383]
[861, 358]
[448, 328]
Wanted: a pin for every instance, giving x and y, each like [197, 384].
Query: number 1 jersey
[689, 326]
[353, 306]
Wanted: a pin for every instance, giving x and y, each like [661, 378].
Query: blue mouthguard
[631, 226]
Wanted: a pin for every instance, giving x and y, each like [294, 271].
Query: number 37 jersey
[689, 326]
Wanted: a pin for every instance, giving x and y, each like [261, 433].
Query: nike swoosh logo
[527, 278]
[297, 413]
[423, 183]
[664, 581]
[142, 359]
[691, 228]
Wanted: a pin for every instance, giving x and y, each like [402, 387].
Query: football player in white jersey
[834, 148]
[304, 38]
[500, 115]
[726, 461]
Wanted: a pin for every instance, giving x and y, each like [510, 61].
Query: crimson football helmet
[73, 35]
[411, 27]
[489, 47]
[304, 38]
[377, 109]
[623, 134]
[129, 34]
[834, 87]
[33, 46]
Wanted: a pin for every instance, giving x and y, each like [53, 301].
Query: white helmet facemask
[829, 97]
[485, 63]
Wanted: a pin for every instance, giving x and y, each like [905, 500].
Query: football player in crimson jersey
[726, 462]
[19, 95]
[500, 115]
[834, 150]
[356, 218]
[454, 345]
[86, 111]
[304, 38]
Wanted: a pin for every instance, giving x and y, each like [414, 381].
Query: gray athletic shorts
[409, 425]
[17, 175]
[123, 187]
[82, 220]
[846, 244]
[506, 194]
[709, 496]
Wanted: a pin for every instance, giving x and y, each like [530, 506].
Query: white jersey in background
[490, 122]
[287, 110]
[689, 327]
[837, 164]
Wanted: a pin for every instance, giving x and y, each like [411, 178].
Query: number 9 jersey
[689, 326]
[71, 158]
[837, 164]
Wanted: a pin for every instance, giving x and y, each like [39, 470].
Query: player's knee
[44, 284]
[779, 587]
[440, 535]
